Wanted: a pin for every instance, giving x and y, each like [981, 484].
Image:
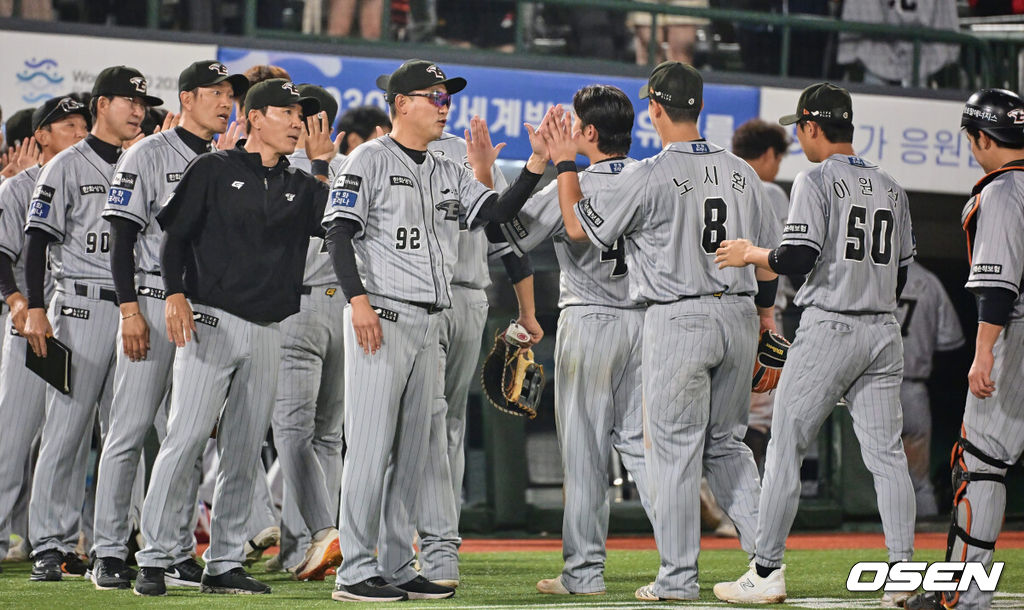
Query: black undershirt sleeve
[504, 207]
[518, 268]
[123, 234]
[173, 251]
[994, 305]
[343, 256]
[901, 281]
[792, 260]
[766, 292]
[35, 266]
[8, 283]
[494, 233]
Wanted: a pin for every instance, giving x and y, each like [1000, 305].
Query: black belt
[106, 294]
[429, 307]
[717, 295]
[308, 290]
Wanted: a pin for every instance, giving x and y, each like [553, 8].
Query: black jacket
[236, 234]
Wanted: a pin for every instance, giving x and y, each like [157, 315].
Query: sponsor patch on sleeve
[118, 196]
[519, 228]
[795, 228]
[124, 179]
[348, 182]
[986, 269]
[39, 209]
[93, 189]
[44, 193]
[590, 213]
[343, 199]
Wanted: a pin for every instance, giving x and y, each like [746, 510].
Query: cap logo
[68, 104]
[433, 69]
[139, 83]
[220, 69]
[291, 89]
[1017, 114]
[822, 114]
[691, 101]
[665, 96]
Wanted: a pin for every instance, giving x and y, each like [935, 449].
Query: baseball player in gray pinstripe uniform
[992, 436]
[61, 122]
[144, 178]
[849, 228]
[700, 329]
[928, 324]
[399, 209]
[598, 346]
[65, 214]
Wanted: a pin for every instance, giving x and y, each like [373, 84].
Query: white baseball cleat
[322, 554]
[752, 589]
[646, 593]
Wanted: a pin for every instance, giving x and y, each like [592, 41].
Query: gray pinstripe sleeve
[998, 257]
[608, 214]
[807, 224]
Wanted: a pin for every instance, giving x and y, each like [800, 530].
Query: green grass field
[815, 579]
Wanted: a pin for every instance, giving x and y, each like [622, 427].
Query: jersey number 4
[857, 241]
[616, 254]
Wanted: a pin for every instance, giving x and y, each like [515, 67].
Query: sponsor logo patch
[343, 199]
[386, 314]
[401, 181]
[92, 189]
[700, 147]
[44, 193]
[74, 312]
[154, 293]
[857, 161]
[795, 228]
[616, 167]
[986, 269]
[205, 318]
[237, 184]
[174, 177]
[289, 196]
[591, 214]
[124, 179]
[39, 209]
[349, 182]
[118, 196]
[519, 228]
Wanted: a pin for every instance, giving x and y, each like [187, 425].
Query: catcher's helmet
[998, 113]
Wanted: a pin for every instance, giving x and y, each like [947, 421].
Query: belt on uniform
[430, 308]
[308, 290]
[155, 293]
[106, 294]
[717, 295]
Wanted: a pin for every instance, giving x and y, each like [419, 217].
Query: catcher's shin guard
[960, 537]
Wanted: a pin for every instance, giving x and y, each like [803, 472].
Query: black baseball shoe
[74, 565]
[235, 581]
[47, 566]
[924, 601]
[150, 582]
[370, 590]
[421, 588]
[188, 573]
[109, 573]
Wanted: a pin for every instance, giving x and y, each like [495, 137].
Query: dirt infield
[843, 540]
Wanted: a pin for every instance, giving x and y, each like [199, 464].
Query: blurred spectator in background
[891, 62]
[760, 45]
[30, 9]
[487, 24]
[985, 8]
[360, 124]
[342, 16]
[422, 21]
[676, 34]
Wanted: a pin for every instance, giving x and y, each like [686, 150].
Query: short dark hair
[974, 132]
[363, 121]
[248, 127]
[609, 110]
[836, 133]
[94, 104]
[681, 115]
[754, 137]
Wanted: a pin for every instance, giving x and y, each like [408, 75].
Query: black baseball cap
[56, 108]
[675, 84]
[19, 126]
[417, 74]
[823, 103]
[279, 92]
[124, 81]
[208, 73]
[327, 102]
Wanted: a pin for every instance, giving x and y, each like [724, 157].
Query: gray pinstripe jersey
[471, 270]
[15, 195]
[319, 271]
[858, 218]
[589, 275]
[777, 203]
[145, 175]
[68, 199]
[928, 320]
[409, 216]
[997, 258]
[675, 208]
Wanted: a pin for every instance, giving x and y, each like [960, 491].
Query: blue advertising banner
[506, 98]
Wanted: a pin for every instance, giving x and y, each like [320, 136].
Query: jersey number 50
[882, 227]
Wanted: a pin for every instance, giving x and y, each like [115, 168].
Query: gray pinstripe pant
[22, 407]
[59, 486]
[597, 407]
[834, 354]
[308, 418]
[994, 425]
[139, 390]
[698, 358]
[388, 400]
[233, 365]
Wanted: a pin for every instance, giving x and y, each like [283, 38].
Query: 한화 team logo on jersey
[452, 209]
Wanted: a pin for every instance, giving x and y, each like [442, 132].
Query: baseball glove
[772, 350]
[512, 381]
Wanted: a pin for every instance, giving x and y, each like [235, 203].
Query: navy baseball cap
[209, 73]
[673, 83]
[56, 108]
[279, 92]
[126, 82]
[417, 74]
[822, 103]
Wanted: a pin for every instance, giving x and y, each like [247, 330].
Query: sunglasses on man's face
[437, 98]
